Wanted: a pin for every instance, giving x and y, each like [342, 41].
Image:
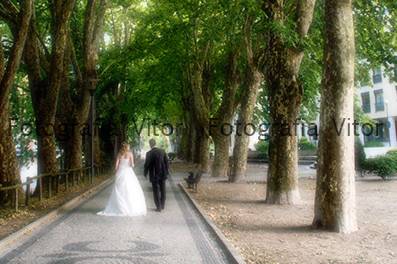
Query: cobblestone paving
[176, 235]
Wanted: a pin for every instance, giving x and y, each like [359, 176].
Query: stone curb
[234, 255]
[12, 241]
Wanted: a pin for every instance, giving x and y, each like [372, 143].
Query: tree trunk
[199, 77]
[282, 178]
[76, 110]
[220, 165]
[193, 143]
[74, 149]
[240, 150]
[201, 155]
[70, 137]
[183, 149]
[45, 90]
[74, 116]
[106, 140]
[187, 141]
[221, 132]
[200, 146]
[285, 94]
[253, 79]
[335, 193]
[185, 132]
[9, 169]
[98, 157]
[46, 144]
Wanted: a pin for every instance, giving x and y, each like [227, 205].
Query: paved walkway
[176, 235]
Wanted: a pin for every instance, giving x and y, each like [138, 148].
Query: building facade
[379, 102]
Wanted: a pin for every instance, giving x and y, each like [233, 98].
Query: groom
[156, 164]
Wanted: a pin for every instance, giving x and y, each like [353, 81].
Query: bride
[127, 197]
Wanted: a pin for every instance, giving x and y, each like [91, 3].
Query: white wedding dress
[127, 197]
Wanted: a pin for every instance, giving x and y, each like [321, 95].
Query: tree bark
[224, 115]
[187, 140]
[285, 94]
[201, 101]
[188, 137]
[201, 149]
[253, 79]
[98, 155]
[9, 169]
[20, 34]
[73, 127]
[183, 150]
[220, 166]
[335, 193]
[76, 110]
[240, 150]
[45, 85]
[282, 178]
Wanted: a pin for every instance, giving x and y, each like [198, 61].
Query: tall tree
[224, 115]
[75, 99]
[252, 81]
[46, 75]
[9, 169]
[200, 74]
[284, 55]
[335, 193]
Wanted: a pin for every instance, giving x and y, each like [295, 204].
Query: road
[176, 235]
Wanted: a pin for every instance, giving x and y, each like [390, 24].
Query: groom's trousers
[159, 193]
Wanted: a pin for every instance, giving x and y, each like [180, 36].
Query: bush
[359, 154]
[383, 166]
[373, 144]
[305, 144]
[262, 147]
[392, 153]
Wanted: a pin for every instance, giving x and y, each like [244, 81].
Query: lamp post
[91, 89]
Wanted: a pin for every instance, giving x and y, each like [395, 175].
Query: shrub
[262, 147]
[305, 144]
[384, 166]
[392, 153]
[373, 144]
[359, 154]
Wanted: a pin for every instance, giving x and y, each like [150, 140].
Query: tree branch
[89, 25]
[16, 52]
[99, 22]
[2, 61]
[73, 59]
[7, 17]
[10, 9]
[248, 39]
[46, 51]
[304, 16]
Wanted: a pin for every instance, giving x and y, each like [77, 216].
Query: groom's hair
[152, 142]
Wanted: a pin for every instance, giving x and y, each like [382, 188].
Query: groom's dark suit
[156, 164]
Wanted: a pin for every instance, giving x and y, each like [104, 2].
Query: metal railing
[68, 178]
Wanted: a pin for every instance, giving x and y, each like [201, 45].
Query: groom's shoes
[158, 210]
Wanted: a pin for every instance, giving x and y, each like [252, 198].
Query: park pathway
[176, 235]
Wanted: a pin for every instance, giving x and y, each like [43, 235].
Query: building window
[366, 103]
[377, 75]
[379, 103]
